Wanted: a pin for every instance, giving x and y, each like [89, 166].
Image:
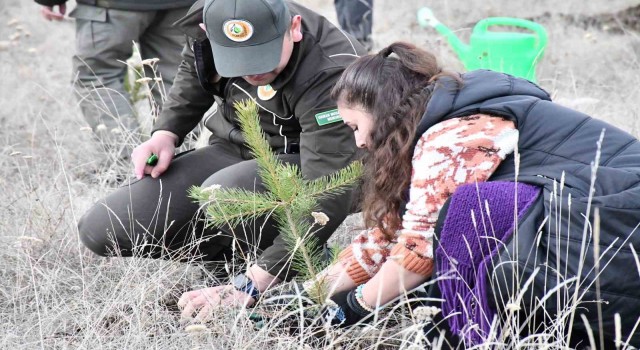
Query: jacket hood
[482, 91]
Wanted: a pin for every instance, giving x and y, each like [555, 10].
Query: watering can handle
[483, 26]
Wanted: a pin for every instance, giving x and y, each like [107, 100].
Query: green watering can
[509, 52]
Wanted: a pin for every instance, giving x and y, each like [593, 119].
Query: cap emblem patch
[237, 30]
[266, 92]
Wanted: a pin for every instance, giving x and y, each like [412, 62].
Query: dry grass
[55, 294]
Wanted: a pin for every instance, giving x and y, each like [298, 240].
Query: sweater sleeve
[364, 256]
[450, 154]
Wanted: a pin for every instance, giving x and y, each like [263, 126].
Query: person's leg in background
[163, 41]
[104, 41]
[356, 18]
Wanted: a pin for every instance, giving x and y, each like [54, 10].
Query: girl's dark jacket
[560, 145]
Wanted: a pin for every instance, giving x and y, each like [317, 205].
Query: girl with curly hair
[480, 182]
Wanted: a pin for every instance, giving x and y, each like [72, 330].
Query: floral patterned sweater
[451, 153]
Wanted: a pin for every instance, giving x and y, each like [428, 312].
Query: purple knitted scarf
[465, 250]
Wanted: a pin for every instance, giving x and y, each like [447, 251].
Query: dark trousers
[356, 18]
[155, 218]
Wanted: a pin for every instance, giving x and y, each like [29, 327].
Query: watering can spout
[427, 19]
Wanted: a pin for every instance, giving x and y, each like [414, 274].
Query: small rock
[29, 239]
[195, 328]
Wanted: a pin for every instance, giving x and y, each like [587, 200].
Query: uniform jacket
[134, 5]
[557, 145]
[299, 118]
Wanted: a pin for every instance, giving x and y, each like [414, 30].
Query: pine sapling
[289, 198]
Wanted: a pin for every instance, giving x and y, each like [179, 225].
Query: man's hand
[162, 143]
[204, 301]
[49, 13]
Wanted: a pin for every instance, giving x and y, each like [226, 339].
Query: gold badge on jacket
[266, 92]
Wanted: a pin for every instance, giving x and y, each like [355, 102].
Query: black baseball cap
[246, 35]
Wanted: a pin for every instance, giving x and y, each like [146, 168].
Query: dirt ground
[54, 294]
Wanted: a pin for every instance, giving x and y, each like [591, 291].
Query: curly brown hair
[394, 90]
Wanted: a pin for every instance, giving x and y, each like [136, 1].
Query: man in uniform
[105, 32]
[284, 57]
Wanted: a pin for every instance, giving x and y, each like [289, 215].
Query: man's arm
[186, 102]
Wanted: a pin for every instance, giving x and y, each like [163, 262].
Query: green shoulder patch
[328, 117]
